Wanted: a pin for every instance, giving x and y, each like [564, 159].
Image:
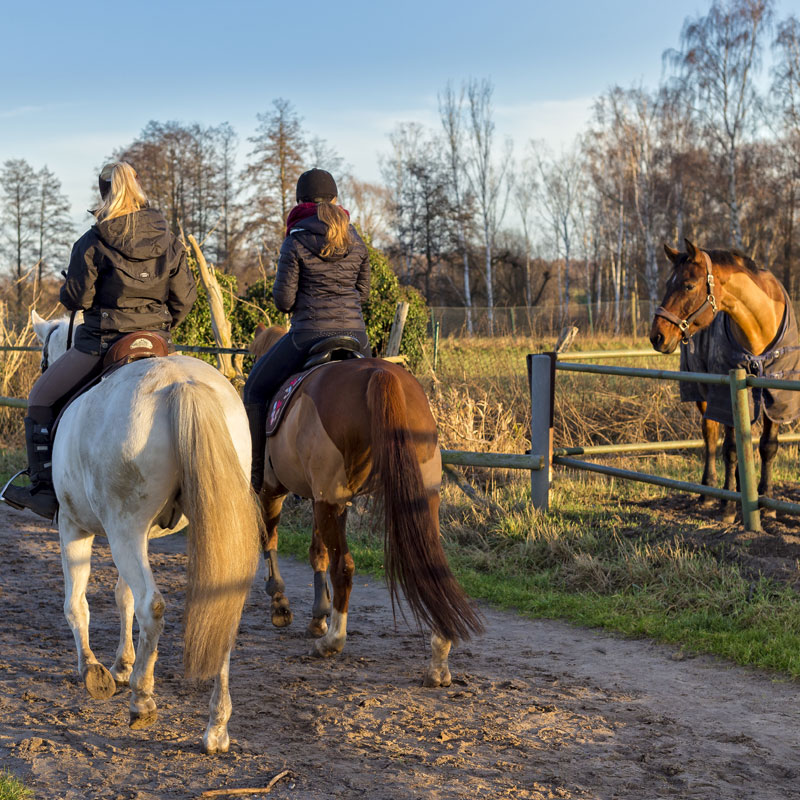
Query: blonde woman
[127, 273]
[322, 281]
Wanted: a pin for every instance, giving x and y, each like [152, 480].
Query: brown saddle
[130, 347]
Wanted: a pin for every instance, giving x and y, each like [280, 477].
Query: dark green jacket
[127, 274]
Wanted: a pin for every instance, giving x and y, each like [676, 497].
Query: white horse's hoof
[324, 649]
[214, 743]
[99, 682]
[435, 678]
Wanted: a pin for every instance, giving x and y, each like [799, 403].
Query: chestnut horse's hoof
[99, 682]
[142, 719]
[707, 501]
[317, 627]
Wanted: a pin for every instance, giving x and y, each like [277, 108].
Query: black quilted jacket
[127, 281]
[322, 294]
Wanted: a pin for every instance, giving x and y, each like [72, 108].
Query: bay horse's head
[690, 303]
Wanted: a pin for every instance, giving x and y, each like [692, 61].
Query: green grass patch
[11, 788]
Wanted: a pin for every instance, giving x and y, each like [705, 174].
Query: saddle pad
[715, 350]
[284, 395]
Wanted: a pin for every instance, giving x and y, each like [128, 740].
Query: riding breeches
[285, 358]
[66, 373]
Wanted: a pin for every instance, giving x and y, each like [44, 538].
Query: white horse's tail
[224, 527]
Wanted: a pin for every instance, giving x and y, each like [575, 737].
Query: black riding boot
[257, 417]
[39, 497]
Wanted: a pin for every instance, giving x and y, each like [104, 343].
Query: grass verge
[13, 789]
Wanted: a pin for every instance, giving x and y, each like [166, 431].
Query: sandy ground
[536, 710]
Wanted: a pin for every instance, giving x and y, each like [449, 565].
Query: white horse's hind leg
[76, 561]
[438, 673]
[130, 556]
[123, 663]
[216, 739]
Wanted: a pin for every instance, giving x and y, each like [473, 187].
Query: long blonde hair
[125, 195]
[338, 240]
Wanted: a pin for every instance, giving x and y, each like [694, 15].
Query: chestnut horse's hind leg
[330, 521]
[76, 554]
[276, 588]
[728, 507]
[768, 449]
[319, 560]
[710, 437]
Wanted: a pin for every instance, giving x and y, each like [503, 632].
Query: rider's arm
[182, 287]
[78, 290]
[362, 281]
[284, 290]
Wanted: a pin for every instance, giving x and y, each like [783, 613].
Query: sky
[79, 80]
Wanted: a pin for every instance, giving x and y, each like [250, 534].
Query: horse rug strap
[715, 350]
[282, 397]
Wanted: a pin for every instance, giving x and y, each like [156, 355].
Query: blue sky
[78, 80]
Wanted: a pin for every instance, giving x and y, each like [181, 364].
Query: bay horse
[158, 443]
[729, 312]
[355, 427]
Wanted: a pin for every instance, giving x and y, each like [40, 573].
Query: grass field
[13, 789]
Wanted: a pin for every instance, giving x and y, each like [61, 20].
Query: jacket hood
[147, 235]
[311, 232]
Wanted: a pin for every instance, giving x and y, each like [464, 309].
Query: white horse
[159, 443]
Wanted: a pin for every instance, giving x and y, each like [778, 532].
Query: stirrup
[11, 480]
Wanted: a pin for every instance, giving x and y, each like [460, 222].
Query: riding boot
[257, 417]
[39, 497]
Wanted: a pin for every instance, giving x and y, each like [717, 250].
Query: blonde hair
[125, 195]
[338, 240]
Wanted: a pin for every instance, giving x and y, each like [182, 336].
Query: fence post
[396, 333]
[542, 371]
[435, 346]
[751, 517]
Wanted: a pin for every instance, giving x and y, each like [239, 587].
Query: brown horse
[756, 329]
[364, 426]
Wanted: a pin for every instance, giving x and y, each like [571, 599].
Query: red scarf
[303, 211]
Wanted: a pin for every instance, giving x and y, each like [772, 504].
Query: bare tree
[54, 227]
[369, 205]
[524, 193]
[18, 222]
[486, 176]
[719, 56]
[451, 112]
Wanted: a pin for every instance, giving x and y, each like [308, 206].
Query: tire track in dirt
[537, 709]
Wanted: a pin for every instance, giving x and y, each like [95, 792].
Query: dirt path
[536, 710]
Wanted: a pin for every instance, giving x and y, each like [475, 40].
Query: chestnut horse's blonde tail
[413, 554]
[224, 525]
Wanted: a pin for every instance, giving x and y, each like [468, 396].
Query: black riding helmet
[316, 184]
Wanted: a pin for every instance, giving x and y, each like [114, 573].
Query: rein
[711, 301]
[45, 363]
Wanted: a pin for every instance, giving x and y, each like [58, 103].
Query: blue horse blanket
[715, 350]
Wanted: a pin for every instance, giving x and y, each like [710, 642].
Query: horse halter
[711, 301]
[45, 363]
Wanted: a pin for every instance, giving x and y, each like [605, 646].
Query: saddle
[334, 348]
[128, 348]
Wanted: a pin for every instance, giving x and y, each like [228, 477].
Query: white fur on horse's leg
[123, 663]
[216, 739]
[130, 556]
[76, 556]
[438, 673]
[333, 641]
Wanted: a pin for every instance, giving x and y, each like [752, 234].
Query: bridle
[45, 363]
[711, 301]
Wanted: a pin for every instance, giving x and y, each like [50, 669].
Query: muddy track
[536, 709]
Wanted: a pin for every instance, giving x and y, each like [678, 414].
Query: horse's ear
[261, 327]
[691, 249]
[40, 326]
[672, 253]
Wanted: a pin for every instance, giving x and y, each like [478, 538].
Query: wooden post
[396, 334]
[219, 322]
[751, 517]
[435, 346]
[542, 371]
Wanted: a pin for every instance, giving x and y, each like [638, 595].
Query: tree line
[711, 154]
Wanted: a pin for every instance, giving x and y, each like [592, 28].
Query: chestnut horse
[759, 333]
[364, 426]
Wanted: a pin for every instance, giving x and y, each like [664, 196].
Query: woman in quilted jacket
[322, 281]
